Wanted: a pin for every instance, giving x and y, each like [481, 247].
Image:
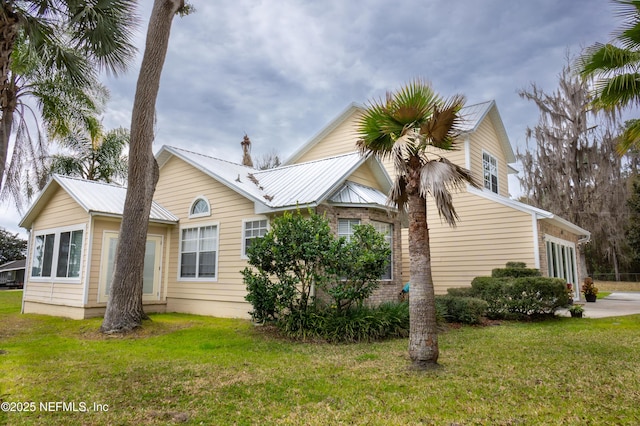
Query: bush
[461, 292]
[467, 310]
[515, 272]
[356, 324]
[509, 297]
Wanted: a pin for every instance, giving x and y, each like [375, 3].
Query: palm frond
[618, 91]
[606, 59]
[439, 178]
[630, 138]
[443, 127]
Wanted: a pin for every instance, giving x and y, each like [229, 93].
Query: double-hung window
[199, 252]
[490, 172]
[251, 230]
[57, 254]
[346, 228]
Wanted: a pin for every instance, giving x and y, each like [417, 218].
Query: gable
[58, 209]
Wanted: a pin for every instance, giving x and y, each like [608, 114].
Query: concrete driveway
[614, 305]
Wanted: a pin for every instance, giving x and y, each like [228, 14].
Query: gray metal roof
[472, 115]
[93, 197]
[304, 184]
[352, 193]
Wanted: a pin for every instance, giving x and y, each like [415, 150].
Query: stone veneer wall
[388, 289]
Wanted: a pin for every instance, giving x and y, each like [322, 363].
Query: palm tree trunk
[124, 308]
[8, 34]
[423, 332]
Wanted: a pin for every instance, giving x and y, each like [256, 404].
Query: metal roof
[354, 193]
[303, 184]
[93, 197]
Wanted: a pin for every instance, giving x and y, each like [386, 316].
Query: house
[205, 213]
[493, 229]
[12, 274]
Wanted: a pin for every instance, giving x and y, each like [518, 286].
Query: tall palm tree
[413, 127]
[94, 156]
[72, 39]
[615, 67]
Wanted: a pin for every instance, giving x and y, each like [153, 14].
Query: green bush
[461, 292]
[519, 265]
[515, 272]
[357, 324]
[512, 297]
[466, 310]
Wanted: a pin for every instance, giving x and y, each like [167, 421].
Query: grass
[186, 369]
[612, 286]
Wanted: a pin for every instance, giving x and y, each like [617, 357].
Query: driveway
[614, 305]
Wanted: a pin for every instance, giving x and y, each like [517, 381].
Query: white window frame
[562, 261]
[243, 253]
[214, 278]
[201, 214]
[57, 232]
[388, 236]
[352, 222]
[492, 158]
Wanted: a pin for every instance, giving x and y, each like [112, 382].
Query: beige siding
[485, 138]
[228, 209]
[487, 236]
[364, 176]
[61, 212]
[340, 140]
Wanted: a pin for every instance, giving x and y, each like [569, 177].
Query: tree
[124, 308]
[12, 247]
[61, 104]
[413, 127]
[94, 156]
[632, 233]
[270, 160]
[615, 67]
[70, 41]
[574, 169]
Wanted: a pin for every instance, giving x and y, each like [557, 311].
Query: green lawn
[198, 370]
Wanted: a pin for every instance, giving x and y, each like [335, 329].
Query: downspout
[536, 240]
[27, 268]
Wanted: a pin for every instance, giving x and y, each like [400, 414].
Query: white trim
[536, 243]
[467, 152]
[495, 159]
[569, 244]
[27, 267]
[89, 236]
[198, 226]
[54, 259]
[203, 214]
[243, 254]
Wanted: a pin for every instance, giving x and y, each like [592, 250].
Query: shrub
[515, 272]
[509, 297]
[461, 292]
[467, 310]
[356, 324]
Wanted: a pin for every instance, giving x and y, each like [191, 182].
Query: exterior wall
[62, 211]
[179, 185]
[485, 138]
[364, 176]
[388, 289]
[340, 140]
[78, 312]
[487, 236]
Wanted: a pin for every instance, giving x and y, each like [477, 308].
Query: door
[151, 272]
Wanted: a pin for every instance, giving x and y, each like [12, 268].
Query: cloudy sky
[281, 70]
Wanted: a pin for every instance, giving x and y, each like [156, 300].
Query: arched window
[200, 207]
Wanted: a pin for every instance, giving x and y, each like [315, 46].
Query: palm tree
[615, 68]
[61, 104]
[413, 127]
[95, 156]
[71, 39]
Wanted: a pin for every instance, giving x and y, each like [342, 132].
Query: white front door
[152, 266]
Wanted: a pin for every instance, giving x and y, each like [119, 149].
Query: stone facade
[388, 289]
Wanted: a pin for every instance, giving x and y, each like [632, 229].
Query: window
[490, 172]
[253, 229]
[69, 254]
[200, 208]
[198, 252]
[386, 229]
[561, 260]
[57, 254]
[346, 229]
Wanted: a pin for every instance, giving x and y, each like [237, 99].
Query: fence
[624, 276]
